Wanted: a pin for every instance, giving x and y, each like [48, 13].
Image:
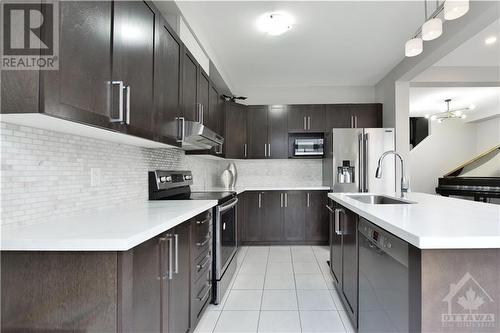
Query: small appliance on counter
[175, 185]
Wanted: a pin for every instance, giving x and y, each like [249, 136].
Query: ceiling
[429, 100]
[333, 43]
[474, 52]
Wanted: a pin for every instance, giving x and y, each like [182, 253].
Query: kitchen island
[429, 264]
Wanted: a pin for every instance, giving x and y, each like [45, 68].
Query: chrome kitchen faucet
[405, 185]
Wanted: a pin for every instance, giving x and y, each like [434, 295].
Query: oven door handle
[227, 206]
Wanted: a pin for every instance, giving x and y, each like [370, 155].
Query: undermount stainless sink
[379, 200]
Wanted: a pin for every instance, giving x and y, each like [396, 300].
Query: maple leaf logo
[470, 301]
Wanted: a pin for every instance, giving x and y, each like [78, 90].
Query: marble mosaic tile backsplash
[47, 174]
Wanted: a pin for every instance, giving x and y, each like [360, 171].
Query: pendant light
[454, 9]
[432, 29]
[414, 47]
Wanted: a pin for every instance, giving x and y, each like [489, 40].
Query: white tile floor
[279, 289]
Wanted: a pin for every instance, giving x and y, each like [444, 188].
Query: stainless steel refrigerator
[351, 157]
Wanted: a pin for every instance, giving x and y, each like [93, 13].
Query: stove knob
[163, 179]
[169, 179]
[188, 177]
[388, 245]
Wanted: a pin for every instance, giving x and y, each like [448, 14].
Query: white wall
[449, 144]
[309, 94]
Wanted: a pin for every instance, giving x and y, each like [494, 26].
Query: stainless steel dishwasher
[383, 280]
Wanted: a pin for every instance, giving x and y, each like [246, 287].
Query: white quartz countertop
[117, 229]
[241, 189]
[433, 222]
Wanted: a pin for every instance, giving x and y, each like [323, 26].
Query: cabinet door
[272, 221]
[235, 133]
[133, 61]
[257, 131]
[179, 300]
[203, 93]
[145, 286]
[337, 116]
[80, 89]
[316, 118]
[349, 221]
[240, 217]
[189, 88]
[297, 118]
[252, 227]
[316, 216]
[214, 111]
[367, 115]
[335, 245]
[167, 80]
[277, 133]
[294, 215]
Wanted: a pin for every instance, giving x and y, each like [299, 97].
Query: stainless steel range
[175, 185]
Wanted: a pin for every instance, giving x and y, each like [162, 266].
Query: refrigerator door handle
[361, 172]
[365, 162]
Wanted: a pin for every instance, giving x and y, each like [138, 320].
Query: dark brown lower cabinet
[344, 256]
[284, 217]
[144, 289]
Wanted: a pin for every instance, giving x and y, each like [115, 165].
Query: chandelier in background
[433, 26]
[449, 113]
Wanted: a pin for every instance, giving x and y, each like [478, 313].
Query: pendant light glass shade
[432, 29]
[414, 47]
[454, 9]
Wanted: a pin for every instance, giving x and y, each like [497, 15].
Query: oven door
[225, 237]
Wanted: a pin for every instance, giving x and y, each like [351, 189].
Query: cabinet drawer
[202, 292]
[201, 234]
[201, 265]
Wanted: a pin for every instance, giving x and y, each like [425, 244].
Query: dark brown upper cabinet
[267, 131]
[203, 98]
[189, 88]
[353, 116]
[215, 116]
[306, 118]
[235, 130]
[80, 89]
[167, 78]
[134, 24]
[366, 115]
[257, 131]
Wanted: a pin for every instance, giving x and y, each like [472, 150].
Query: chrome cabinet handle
[120, 102]
[245, 150]
[127, 120]
[269, 150]
[338, 228]
[308, 199]
[181, 126]
[281, 200]
[161, 241]
[265, 150]
[286, 200]
[361, 179]
[365, 163]
[329, 208]
[305, 123]
[308, 123]
[207, 286]
[202, 265]
[260, 200]
[201, 244]
[170, 250]
[176, 238]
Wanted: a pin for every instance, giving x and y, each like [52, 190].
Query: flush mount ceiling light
[454, 9]
[490, 40]
[275, 23]
[449, 113]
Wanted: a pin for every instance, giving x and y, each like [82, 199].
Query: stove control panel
[165, 179]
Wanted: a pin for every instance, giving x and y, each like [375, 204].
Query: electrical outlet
[95, 177]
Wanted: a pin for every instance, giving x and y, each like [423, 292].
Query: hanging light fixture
[454, 9]
[449, 113]
[414, 47]
[432, 29]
